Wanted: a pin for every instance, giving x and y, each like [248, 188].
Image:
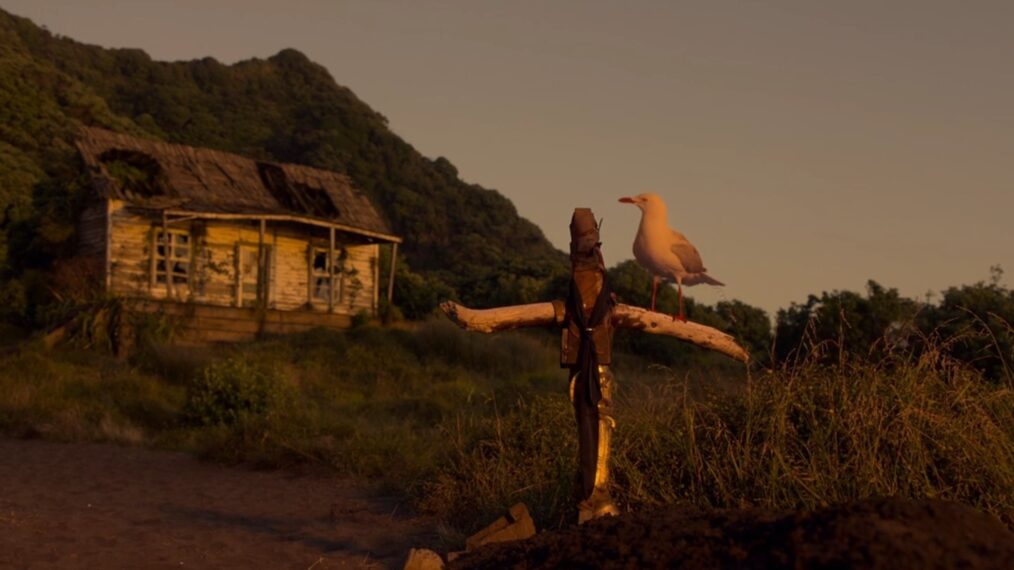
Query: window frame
[335, 281]
[168, 257]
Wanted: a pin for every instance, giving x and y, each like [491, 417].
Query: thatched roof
[165, 176]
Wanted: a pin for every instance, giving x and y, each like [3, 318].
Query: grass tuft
[466, 425]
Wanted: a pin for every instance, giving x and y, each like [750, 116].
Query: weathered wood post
[588, 318]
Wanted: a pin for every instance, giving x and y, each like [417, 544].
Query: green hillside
[462, 240]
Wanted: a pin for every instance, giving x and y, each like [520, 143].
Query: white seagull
[664, 252]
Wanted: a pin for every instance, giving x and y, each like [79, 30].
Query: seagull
[664, 252]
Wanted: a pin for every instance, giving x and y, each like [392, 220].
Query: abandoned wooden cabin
[232, 247]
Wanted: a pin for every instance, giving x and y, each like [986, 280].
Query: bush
[230, 391]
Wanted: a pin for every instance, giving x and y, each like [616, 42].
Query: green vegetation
[850, 394]
[465, 424]
[466, 241]
[970, 323]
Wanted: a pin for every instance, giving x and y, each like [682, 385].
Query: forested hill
[461, 239]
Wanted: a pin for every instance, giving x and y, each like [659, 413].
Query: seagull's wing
[688, 254]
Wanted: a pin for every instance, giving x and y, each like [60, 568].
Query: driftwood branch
[624, 316]
[501, 318]
[627, 317]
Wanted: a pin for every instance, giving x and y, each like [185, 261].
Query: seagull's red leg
[654, 291]
[683, 316]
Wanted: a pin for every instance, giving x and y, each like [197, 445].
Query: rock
[423, 559]
[516, 525]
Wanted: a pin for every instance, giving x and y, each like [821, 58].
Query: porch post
[390, 277]
[262, 277]
[330, 273]
[167, 249]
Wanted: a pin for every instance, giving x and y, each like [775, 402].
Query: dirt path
[104, 506]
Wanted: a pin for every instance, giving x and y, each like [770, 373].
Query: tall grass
[808, 436]
[801, 436]
[465, 425]
[79, 395]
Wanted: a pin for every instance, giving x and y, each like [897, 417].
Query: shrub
[230, 391]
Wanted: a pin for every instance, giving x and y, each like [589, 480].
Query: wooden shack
[233, 247]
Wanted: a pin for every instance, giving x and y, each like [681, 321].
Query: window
[172, 258]
[320, 277]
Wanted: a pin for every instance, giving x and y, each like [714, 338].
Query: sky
[802, 146]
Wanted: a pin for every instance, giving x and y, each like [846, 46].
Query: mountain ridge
[462, 240]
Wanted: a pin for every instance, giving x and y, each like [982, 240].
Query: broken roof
[166, 176]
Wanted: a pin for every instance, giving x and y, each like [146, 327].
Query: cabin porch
[194, 323]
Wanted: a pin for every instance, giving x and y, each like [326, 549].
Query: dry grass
[467, 425]
[801, 436]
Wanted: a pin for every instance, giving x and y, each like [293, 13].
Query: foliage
[801, 436]
[77, 395]
[527, 452]
[463, 241]
[976, 321]
[465, 425]
[232, 391]
[854, 321]
[417, 295]
[971, 323]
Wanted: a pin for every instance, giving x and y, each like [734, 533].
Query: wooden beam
[239, 274]
[262, 267]
[167, 249]
[153, 260]
[390, 277]
[109, 246]
[330, 273]
[285, 218]
[311, 279]
[183, 219]
[624, 316]
[376, 278]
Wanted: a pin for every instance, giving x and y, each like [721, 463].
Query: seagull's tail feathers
[698, 278]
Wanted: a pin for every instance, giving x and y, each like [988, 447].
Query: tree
[845, 319]
[973, 324]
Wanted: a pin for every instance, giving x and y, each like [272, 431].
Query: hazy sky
[803, 146]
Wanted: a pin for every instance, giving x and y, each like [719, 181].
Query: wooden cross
[586, 350]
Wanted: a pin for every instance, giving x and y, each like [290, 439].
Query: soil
[875, 534]
[73, 506]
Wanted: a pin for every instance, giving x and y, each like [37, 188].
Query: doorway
[253, 283]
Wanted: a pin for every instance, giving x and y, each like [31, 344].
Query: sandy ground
[104, 506]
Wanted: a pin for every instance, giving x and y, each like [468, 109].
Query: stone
[516, 525]
[423, 559]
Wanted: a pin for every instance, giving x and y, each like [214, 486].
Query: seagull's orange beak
[627, 200]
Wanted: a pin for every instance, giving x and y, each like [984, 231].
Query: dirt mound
[880, 533]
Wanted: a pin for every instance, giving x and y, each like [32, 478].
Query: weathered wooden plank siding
[289, 271]
[357, 280]
[130, 252]
[214, 266]
[200, 324]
